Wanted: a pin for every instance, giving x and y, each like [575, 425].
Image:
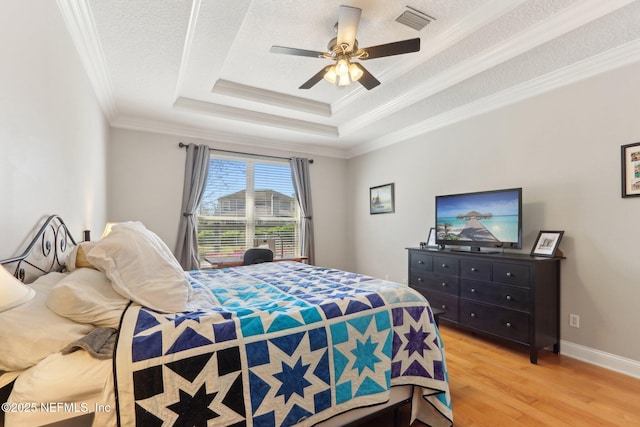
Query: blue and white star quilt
[279, 344]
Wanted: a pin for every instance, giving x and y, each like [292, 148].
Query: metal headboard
[47, 251]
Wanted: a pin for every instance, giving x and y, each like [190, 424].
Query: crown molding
[264, 96]
[188, 42]
[236, 90]
[621, 56]
[561, 23]
[188, 131]
[81, 26]
[255, 117]
[626, 54]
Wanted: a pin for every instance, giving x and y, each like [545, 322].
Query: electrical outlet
[574, 320]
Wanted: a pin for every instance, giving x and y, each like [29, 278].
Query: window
[247, 199]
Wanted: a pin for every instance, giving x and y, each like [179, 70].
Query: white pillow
[77, 258]
[142, 268]
[31, 332]
[86, 296]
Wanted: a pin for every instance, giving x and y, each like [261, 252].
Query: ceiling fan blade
[315, 79]
[348, 20]
[367, 80]
[296, 52]
[390, 49]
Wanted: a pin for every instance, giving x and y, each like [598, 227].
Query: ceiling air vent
[415, 19]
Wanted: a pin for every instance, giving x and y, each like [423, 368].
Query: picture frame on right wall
[547, 243]
[631, 170]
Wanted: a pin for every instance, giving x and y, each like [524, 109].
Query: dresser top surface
[486, 255]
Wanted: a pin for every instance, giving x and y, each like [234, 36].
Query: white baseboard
[600, 358]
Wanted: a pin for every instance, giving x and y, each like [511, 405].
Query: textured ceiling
[202, 68]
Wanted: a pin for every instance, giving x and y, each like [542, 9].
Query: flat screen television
[484, 219]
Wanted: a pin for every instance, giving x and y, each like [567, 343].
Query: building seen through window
[247, 199]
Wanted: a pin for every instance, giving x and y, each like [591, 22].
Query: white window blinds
[248, 202]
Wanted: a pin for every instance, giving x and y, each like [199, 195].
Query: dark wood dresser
[514, 297]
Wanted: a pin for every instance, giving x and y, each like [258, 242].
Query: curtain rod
[183, 145]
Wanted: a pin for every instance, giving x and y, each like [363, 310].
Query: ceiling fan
[343, 49]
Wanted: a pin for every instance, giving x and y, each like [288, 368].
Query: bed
[271, 344]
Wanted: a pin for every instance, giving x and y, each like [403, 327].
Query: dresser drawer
[510, 324]
[418, 279]
[435, 282]
[445, 265]
[505, 296]
[511, 274]
[420, 261]
[445, 302]
[444, 283]
[475, 269]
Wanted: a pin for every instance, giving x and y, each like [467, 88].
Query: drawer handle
[443, 284]
[444, 306]
[419, 279]
[508, 324]
[509, 298]
[420, 262]
[444, 266]
[473, 290]
[509, 274]
[473, 315]
[473, 269]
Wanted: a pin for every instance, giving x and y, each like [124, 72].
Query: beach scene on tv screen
[481, 217]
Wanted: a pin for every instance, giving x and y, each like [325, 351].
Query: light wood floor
[495, 385]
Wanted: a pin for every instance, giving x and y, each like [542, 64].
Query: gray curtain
[302, 186]
[196, 170]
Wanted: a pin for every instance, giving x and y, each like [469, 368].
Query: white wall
[52, 132]
[563, 148]
[146, 175]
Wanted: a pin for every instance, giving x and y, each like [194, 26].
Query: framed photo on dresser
[547, 243]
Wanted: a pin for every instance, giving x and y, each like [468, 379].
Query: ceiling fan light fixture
[355, 72]
[343, 72]
[331, 76]
[342, 67]
[344, 80]
[343, 49]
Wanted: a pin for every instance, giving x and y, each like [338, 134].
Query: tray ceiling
[202, 68]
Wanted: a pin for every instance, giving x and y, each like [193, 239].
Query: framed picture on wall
[547, 243]
[631, 170]
[381, 199]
